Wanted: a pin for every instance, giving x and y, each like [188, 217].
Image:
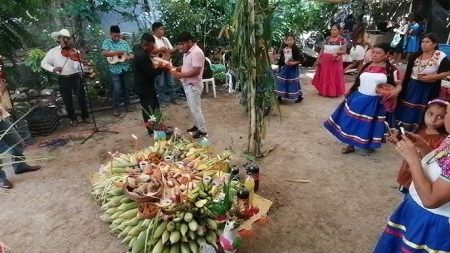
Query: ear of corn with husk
[190, 224]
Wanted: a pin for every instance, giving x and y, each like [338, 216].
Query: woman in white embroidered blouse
[422, 82]
[422, 221]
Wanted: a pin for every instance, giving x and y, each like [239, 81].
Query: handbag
[397, 38]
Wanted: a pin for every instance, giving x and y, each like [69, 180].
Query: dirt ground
[344, 209]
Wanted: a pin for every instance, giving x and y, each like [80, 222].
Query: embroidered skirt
[413, 229]
[288, 82]
[412, 106]
[359, 121]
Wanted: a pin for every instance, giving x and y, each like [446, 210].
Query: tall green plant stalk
[252, 31]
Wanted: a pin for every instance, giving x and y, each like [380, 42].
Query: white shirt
[369, 82]
[357, 53]
[331, 49]
[163, 42]
[430, 66]
[433, 172]
[287, 54]
[54, 59]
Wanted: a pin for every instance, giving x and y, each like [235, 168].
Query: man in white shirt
[163, 49]
[69, 72]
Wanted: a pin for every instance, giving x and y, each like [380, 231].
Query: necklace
[424, 66]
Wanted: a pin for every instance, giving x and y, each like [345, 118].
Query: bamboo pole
[252, 95]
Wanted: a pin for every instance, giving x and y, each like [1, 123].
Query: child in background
[432, 131]
[288, 78]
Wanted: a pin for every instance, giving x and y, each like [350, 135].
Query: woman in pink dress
[329, 77]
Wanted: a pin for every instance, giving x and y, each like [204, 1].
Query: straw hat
[62, 32]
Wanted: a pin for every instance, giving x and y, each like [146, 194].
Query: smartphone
[402, 129]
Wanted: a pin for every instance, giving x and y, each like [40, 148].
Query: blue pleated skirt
[413, 229]
[288, 82]
[412, 106]
[359, 121]
[412, 44]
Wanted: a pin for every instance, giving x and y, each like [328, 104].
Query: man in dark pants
[10, 142]
[69, 74]
[144, 76]
[118, 47]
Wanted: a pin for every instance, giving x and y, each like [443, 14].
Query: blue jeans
[119, 88]
[14, 143]
[164, 85]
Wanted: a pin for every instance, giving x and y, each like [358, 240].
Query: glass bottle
[254, 171]
[235, 173]
[243, 198]
[250, 185]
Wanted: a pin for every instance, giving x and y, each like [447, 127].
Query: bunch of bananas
[184, 234]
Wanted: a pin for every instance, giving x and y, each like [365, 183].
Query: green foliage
[33, 60]
[204, 19]
[13, 17]
[219, 76]
[296, 16]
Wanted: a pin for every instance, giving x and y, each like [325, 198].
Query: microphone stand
[96, 129]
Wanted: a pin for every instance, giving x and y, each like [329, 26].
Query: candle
[135, 142]
[111, 155]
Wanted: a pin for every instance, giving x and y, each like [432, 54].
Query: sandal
[347, 150]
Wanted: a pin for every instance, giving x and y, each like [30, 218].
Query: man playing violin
[119, 51]
[65, 61]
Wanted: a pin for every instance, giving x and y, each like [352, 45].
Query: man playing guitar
[118, 53]
[163, 49]
[65, 61]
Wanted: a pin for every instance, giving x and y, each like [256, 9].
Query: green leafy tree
[296, 16]
[14, 16]
[204, 19]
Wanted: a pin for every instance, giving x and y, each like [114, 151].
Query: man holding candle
[190, 75]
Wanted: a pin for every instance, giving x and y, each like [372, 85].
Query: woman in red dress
[329, 77]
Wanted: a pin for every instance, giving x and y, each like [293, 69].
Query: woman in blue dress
[412, 37]
[421, 222]
[288, 78]
[360, 120]
[422, 82]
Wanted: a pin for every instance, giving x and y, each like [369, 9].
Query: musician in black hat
[118, 53]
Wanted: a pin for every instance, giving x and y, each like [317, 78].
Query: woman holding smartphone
[422, 82]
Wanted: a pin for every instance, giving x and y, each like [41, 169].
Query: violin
[72, 54]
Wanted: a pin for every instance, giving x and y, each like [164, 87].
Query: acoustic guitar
[117, 59]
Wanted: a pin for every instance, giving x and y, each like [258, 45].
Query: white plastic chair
[229, 82]
[228, 77]
[209, 80]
